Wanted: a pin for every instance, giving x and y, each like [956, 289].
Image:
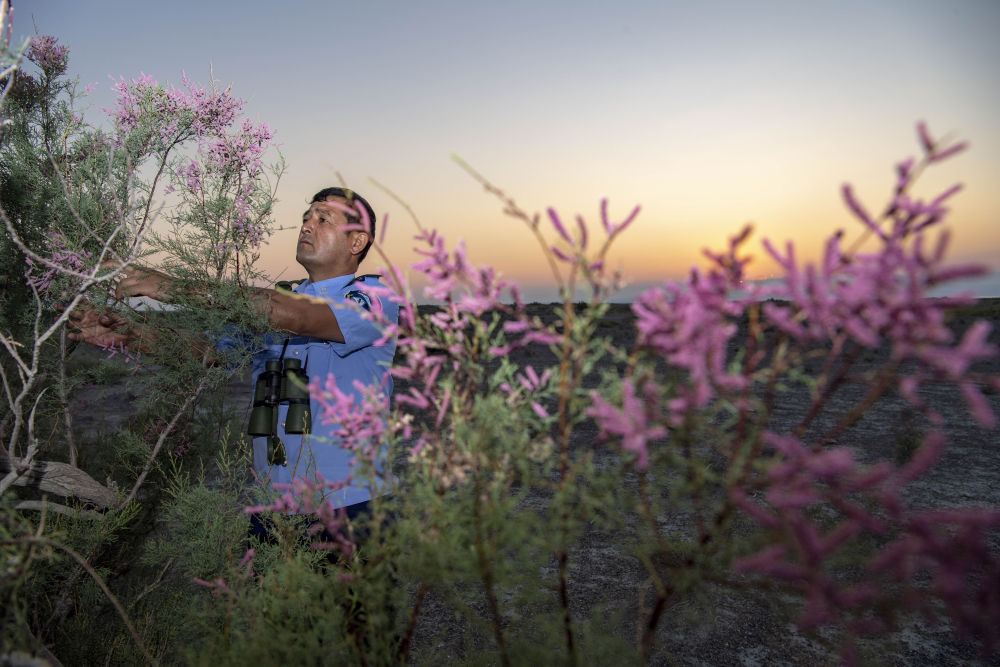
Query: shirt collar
[328, 285]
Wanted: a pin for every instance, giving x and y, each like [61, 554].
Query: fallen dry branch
[46, 506]
[61, 479]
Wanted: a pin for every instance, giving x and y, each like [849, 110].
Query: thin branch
[16, 471]
[152, 586]
[403, 651]
[64, 398]
[97, 580]
[514, 210]
[162, 439]
[399, 200]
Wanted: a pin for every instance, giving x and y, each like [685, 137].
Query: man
[326, 331]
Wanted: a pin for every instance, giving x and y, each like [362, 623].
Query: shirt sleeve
[358, 331]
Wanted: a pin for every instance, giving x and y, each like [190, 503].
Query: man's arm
[297, 314]
[108, 330]
[300, 315]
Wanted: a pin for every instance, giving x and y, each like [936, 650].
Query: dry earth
[724, 628]
[754, 627]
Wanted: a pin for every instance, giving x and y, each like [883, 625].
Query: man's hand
[140, 281]
[102, 329]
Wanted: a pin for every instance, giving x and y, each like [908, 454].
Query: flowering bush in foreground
[502, 483]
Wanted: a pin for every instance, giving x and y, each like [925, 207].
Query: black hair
[351, 196]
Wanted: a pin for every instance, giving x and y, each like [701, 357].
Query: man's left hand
[102, 329]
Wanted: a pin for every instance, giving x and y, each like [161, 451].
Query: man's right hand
[140, 281]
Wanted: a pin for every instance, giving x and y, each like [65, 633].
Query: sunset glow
[708, 115]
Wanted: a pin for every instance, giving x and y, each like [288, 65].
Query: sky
[708, 114]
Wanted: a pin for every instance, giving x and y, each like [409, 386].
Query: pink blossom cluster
[952, 550]
[226, 157]
[451, 278]
[579, 260]
[359, 420]
[247, 230]
[191, 173]
[579, 255]
[690, 324]
[881, 297]
[636, 423]
[308, 497]
[802, 480]
[46, 52]
[241, 151]
[40, 276]
[528, 332]
[455, 330]
[176, 114]
[949, 547]
[530, 383]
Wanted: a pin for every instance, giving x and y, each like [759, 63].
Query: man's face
[325, 248]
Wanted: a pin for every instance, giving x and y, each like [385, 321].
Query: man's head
[337, 231]
[352, 199]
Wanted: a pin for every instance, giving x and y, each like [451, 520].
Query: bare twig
[163, 438]
[64, 397]
[152, 586]
[403, 652]
[16, 471]
[35, 540]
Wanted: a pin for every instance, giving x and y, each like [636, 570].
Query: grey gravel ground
[755, 627]
[724, 627]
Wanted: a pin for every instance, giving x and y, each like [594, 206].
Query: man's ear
[358, 242]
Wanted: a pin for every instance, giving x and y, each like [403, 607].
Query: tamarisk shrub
[177, 180]
[686, 453]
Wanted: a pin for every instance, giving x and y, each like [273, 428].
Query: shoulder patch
[288, 285]
[360, 298]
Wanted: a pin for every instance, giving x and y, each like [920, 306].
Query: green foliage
[72, 197]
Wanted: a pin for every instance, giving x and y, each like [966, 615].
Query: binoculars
[276, 385]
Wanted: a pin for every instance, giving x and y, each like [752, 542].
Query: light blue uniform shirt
[357, 358]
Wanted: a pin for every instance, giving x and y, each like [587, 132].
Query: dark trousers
[260, 527]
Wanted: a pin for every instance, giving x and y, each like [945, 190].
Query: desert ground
[726, 628]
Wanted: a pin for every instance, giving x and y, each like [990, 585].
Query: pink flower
[635, 423]
[691, 324]
[46, 52]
